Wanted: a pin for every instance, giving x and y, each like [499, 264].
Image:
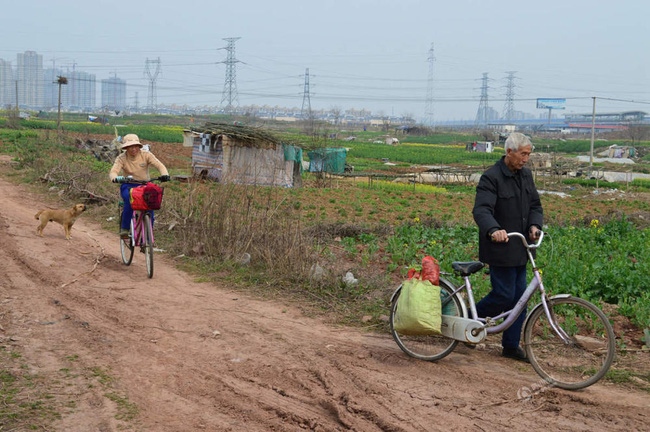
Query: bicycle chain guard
[462, 329]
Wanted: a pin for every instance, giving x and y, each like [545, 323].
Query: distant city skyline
[360, 54]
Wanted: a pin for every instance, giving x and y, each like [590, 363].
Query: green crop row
[422, 154]
[166, 134]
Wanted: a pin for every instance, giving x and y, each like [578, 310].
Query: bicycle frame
[138, 228]
[511, 315]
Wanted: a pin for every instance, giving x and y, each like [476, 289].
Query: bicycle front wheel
[148, 244]
[586, 355]
[126, 246]
[429, 347]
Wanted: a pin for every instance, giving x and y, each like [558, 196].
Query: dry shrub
[226, 221]
[327, 231]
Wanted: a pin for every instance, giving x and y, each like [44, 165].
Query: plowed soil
[123, 352]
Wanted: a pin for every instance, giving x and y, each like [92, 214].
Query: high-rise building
[7, 84]
[51, 88]
[114, 93]
[80, 92]
[85, 96]
[29, 73]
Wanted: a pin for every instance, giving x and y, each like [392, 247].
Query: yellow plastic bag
[418, 308]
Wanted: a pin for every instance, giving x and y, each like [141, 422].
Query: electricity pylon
[509, 106]
[152, 69]
[483, 108]
[428, 104]
[229, 95]
[306, 98]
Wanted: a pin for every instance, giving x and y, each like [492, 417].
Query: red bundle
[430, 271]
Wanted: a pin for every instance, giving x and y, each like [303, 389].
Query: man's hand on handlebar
[534, 233]
[164, 178]
[119, 179]
[499, 236]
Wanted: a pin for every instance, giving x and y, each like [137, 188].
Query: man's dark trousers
[508, 285]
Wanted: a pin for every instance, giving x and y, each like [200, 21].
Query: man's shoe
[515, 353]
[124, 233]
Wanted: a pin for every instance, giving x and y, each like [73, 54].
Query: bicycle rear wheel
[585, 358]
[126, 246]
[148, 244]
[430, 347]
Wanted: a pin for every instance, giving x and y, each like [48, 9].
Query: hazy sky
[360, 53]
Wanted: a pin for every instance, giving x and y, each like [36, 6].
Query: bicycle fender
[392, 297]
[539, 305]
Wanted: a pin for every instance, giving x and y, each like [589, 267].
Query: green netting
[331, 160]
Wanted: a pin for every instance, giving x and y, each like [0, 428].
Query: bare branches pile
[245, 135]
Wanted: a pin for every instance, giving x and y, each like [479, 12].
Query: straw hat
[130, 140]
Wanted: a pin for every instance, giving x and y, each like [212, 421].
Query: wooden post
[61, 80]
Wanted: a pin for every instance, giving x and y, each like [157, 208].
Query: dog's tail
[38, 215]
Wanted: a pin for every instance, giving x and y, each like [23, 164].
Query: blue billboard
[551, 103]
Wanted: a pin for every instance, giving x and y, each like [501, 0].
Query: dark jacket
[509, 201]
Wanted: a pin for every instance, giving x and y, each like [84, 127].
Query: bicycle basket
[146, 197]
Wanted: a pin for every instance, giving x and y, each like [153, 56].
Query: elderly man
[507, 201]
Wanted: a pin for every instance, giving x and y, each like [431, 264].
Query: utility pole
[229, 94]
[17, 109]
[593, 132]
[152, 70]
[482, 113]
[60, 81]
[428, 104]
[509, 107]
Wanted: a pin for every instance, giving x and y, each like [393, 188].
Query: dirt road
[171, 354]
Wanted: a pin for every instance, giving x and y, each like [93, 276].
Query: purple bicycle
[569, 341]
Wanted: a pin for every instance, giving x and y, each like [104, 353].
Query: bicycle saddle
[467, 268]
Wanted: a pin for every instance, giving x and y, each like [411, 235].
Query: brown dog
[64, 217]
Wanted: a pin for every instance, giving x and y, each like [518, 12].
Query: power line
[625, 100]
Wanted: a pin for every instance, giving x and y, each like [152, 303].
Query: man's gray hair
[517, 140]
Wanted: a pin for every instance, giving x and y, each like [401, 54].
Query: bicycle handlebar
[131, 180]
[525, 242]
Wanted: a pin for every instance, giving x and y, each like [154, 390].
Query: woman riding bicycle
[135, 163]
